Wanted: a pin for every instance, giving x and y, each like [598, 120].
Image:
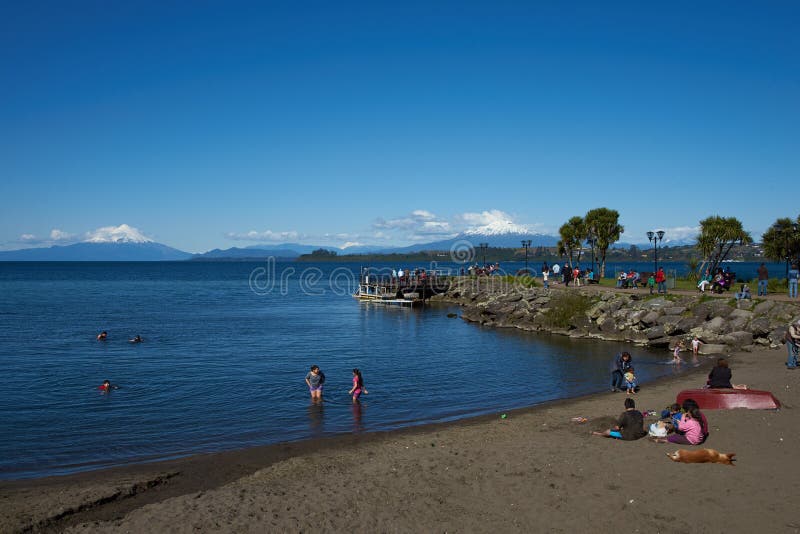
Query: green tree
[573, 234]
[718, 235]
[602, 225]
[781, 241]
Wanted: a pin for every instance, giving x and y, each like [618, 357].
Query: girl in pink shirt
[691, 426]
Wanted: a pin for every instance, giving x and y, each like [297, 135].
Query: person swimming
[107, 386]
[137, 339]
[102, 336]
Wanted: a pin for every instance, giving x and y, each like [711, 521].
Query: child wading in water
[315, 378]
[358, 386]
[676, 354]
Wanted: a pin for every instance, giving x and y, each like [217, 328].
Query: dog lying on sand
[701, 456]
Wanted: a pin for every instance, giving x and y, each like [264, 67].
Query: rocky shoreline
[722, 324]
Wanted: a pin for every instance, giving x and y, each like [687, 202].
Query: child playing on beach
[315, 379]
[358, 386]
[630, 380]
[630, 425]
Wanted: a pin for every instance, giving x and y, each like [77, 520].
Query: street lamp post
[527, 244]
[484, 246]
[655, 237]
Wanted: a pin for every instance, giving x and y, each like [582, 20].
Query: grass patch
[521, 281]
[563, 308]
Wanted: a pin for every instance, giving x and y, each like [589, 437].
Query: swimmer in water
[102, 336]
[107, 386]
[137, 339]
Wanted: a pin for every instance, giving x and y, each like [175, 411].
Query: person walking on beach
[315, 379]
[661, 280]
[358, 386]
[763, 279]
[794, 275]
[792, 339]
[630, 425]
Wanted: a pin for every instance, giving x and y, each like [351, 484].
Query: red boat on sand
[728, 399]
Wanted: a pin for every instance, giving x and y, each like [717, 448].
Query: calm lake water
[227, 346]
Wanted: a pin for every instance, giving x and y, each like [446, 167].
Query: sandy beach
[534, 471]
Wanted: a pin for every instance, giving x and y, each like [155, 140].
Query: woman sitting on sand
[720, 377]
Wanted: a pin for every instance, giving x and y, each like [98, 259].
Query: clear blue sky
[331, 122]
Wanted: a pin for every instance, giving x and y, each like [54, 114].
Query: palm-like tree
[718, 235]
[602, 225]
[573, 234]
[781, 241]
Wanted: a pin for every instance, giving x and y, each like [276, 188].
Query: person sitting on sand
[107, 386]
[315, 379]
[137, 339]
[720, 377]
[102, 336]
[690, 427]
[630, 381]
[630, 425]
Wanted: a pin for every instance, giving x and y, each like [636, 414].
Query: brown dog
[701, 456]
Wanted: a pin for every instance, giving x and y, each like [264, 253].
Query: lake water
[227, 346]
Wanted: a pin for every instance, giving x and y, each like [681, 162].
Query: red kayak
[728, 399]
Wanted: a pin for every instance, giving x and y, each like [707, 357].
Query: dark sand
[534, 471]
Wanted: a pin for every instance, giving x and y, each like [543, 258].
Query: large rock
[716, 325]
[650, 318]
[674, 310]
[737, 340]
[712, 348]
[655, 332]
[702, 311]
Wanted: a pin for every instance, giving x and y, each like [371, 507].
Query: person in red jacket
[661, 280]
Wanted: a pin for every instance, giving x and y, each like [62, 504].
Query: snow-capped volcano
[117, 234]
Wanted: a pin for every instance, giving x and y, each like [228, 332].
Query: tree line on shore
[599, 229]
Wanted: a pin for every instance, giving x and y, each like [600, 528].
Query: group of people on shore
[567, 275]
[682, 424]
[315, 380]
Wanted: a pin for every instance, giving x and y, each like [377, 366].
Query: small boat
[728, 399]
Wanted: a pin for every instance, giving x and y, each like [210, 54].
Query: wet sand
[534, 471]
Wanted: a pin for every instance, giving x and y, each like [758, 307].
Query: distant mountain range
[117, 251]
[138, 249]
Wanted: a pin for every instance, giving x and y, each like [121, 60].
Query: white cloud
[29, 238]
[116, 234]
[266, 235]
[58, 235]
[351, 244]
[423, 214]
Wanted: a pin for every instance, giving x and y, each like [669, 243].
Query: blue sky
[215, 124]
